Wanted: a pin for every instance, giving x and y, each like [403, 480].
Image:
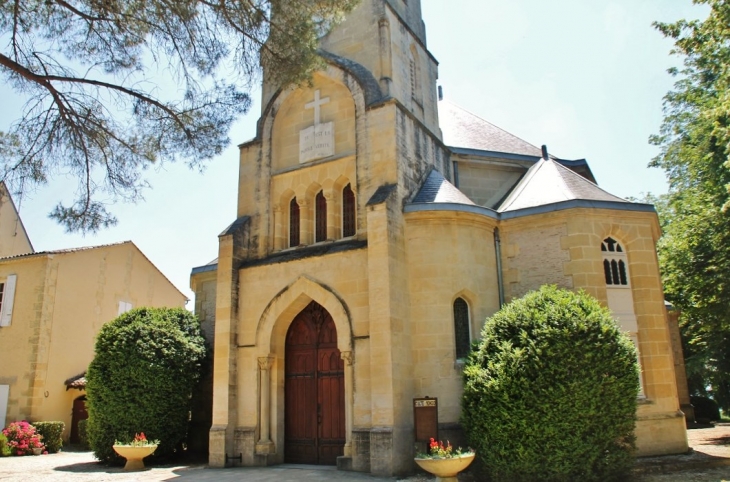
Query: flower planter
[134, 454]
[446, 469]
[37, 451]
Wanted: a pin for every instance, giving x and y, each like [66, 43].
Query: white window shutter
[7, 310]
[124, 307]
[4, 392]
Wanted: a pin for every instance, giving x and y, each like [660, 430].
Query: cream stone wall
[579, 232]
[450, 254]
[293, 117]
[20, 342]
[486, 183]
[533, 254]
[285, 289]
[60, 308]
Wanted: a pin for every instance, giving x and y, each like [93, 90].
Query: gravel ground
[709, 461]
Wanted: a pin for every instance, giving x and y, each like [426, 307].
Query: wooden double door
[314, 415]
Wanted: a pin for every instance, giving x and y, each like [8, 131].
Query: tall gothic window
[293, 223]
[320, 218]
[348, 212]
[614, 263]
[462, 336]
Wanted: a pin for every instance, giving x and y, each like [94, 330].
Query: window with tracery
[320, 218]
[462, 335]
[348, 212]
[614, 263]
[293, 223]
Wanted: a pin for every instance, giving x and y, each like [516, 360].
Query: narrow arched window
[320, 218]
[614, 263]
[348, 212]
[462, 336]
[293, 223]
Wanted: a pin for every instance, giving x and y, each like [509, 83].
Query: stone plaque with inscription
[316, 142]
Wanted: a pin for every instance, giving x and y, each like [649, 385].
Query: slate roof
[461, 128]
[436, 189]
[549, 182]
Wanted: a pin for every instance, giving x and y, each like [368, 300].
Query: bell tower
[388, 39]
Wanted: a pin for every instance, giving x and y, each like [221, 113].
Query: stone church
[377, 228]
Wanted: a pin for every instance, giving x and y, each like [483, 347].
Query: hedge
[551, 391]
[83, 437]
[52, 433]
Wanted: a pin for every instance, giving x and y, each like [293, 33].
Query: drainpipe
[498, 254]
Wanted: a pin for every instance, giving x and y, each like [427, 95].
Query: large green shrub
[52, 435]
[550, 393]
[146, 364]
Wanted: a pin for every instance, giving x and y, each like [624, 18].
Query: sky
[585, 78]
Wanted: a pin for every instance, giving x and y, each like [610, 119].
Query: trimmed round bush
[52, 433]
[83, 438]
[146, 364]
[550, 392]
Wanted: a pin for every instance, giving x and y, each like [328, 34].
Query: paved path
[711, 449]
[82, 466]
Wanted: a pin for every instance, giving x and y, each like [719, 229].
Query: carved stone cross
[316, 104]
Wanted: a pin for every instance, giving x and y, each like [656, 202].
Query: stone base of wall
[244, 444]
[217, 446]
[663, 434]
[361, 450]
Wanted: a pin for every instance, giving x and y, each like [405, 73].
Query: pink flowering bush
[22, 438]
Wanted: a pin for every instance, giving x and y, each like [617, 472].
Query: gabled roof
[461, 128]
[436, 189]
[90, 248]
[68, 250]
[549, 182]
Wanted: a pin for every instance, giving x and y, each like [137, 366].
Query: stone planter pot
[134, 454]
[37, 451]
[445, 470]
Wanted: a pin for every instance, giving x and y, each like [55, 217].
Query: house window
[462, 336]
[320, 218]
[348, 212]
[293, 223]
[2, 293]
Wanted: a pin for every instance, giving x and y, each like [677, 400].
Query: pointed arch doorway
[314, 392]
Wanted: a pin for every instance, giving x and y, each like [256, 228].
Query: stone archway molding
[270, 339]
[282, 309]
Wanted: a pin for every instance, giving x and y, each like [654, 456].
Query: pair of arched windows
[614, 263]
[320, 217]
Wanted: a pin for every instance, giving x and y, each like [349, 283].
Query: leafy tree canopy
[88, 70]
[694, 250]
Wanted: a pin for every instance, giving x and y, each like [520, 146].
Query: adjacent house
[52, 305]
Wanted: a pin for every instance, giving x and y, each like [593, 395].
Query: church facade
[377, 228]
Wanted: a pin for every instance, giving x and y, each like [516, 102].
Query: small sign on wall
[425, 418]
